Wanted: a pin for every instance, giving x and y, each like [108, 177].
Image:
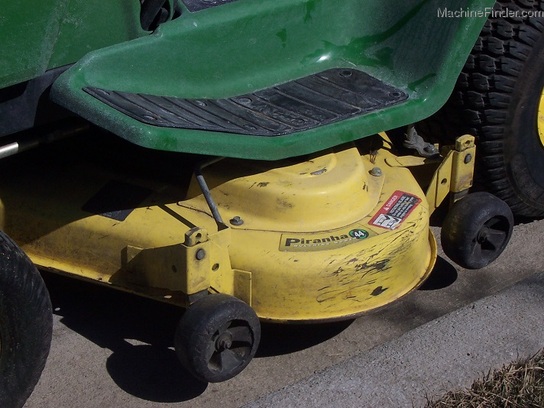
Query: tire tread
[479, 104]
[30, 339]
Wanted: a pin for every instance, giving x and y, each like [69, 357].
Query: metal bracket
[415, 142]
[195, 236]
[455, 174]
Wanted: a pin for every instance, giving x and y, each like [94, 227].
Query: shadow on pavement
[139, 332]
[279, 339]
[152, 373]
[443, 275]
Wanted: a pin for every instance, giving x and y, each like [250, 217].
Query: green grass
[517, 385]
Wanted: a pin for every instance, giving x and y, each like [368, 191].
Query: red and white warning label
[395, 210]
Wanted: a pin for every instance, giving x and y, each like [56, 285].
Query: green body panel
[238, 48]
[37, 35]
[249, 45]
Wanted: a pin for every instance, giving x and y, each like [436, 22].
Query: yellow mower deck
[323, 238]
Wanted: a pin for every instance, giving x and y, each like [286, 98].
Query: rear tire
[25, 325]
[497, 99]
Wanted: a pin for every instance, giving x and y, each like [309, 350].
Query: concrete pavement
[444, 354]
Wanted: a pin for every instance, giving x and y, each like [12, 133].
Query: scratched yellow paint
[295, 240]
[327, 238]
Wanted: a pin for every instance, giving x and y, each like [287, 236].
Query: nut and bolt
[376, 172]
[224, 342]
[236, 221]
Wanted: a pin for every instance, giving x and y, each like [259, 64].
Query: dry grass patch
[517, 385]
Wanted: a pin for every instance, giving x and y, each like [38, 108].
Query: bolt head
[224, 342]
[376, 172]
[200, 254]
[236, 221]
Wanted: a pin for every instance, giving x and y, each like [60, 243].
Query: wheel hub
[223, 342]
[482, 235]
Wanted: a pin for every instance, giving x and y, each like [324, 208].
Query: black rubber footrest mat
[303, 104]
[197, 5]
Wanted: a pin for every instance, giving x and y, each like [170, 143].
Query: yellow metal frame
[455, 174]
[323, 239]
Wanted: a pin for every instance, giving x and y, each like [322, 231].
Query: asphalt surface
[115, 350]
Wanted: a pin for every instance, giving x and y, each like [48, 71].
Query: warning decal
[395, 210]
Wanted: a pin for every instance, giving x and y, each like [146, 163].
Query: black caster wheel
[477, 230]
[217, 337]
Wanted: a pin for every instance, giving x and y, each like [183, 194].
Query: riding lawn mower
[256, 161]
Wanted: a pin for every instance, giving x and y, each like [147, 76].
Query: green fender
[145, 90]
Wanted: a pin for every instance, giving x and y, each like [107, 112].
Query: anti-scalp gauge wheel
[477, 230]
[217, 337]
